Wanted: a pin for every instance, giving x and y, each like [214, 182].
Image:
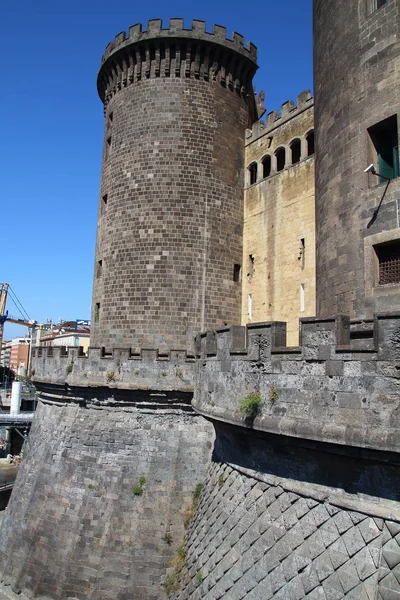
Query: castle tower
[116, 449]
[177, 103]
[357, 106]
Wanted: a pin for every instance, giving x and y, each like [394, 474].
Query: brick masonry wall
[259, 534]
[356, 87]
[171, 229]
[74, 527]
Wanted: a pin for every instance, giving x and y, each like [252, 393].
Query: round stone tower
[177, 103]
[357, 106]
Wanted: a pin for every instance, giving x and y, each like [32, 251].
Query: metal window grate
[389, 263]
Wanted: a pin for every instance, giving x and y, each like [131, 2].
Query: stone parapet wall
[117, 369]
[328, 389]
[177, 52]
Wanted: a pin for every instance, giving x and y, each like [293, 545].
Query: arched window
[266, 163]
[280, 159]
[310, 142]
[295, 148]
[253, 172]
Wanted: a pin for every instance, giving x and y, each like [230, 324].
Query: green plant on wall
[167, 538]
[273, 393]
[110, 376]
[69, 368]
[250, 406]
[138, 489]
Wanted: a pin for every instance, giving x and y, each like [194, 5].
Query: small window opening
[99, 267]
[249, 306]
[295, 148]
[108, 147]
[385, 148]
[237, 272]
[266, 166]
[110, 118]
[103, 204]
[373, 5]
[250, 268]
[310, 143]
[302, 297]
[97, 311]
[302, 252]
[280, 159]
[389, 262]
[253, 173]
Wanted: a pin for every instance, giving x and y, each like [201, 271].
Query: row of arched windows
[278, 161]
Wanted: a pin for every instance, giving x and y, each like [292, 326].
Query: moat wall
[280, 518]
[75, 527]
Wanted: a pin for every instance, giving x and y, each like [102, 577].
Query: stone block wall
[354, 90]
[80, 523]
[177, 104]
[256, 536]
[117, 370]
[327, 389]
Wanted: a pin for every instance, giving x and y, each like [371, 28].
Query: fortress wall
[330, 388]
[279, 221]
[270, 524]
[74, 527]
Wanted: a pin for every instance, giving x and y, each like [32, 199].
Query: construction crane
[6, 289]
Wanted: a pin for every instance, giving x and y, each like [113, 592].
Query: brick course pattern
[354, 90]
[177, 103]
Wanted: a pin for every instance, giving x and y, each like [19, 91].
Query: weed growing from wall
[250, 406]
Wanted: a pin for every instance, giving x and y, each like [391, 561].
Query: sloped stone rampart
[258, 536]
[77, 526]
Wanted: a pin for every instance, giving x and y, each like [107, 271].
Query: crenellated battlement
[274, 119]
[176, 51]
[119, 368]
[176, 29]
[329, 388]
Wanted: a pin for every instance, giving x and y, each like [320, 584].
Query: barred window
[389, 262]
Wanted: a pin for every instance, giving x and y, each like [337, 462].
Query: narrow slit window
[103, 204]
[389, 262]
[253, 173]
[302, 297]
[295, 148]
[237, 272]
[280, 159]
[108, 147]
[99, 268]
[110, 118]
[310, 143]
[384, 145]
[266, 166]
[302, 252]
[249, 306]
[97, 312]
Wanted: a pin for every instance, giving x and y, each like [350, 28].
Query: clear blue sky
[52, 126]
